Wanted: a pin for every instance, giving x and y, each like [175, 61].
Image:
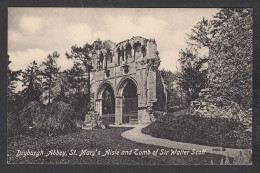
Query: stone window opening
[109, 56]
[123, 54]
[118, 56]
[128, 51]
[104, 61]
[137, 50]
[100, 61]
[144, 50]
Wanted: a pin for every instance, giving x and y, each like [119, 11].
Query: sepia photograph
[130, 86]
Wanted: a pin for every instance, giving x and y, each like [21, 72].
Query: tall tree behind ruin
[231, 62]
[83, 55]
[76, 78]
[228, 38]
[174, 92]
[76, 84]
[191, 79]
[50, 74]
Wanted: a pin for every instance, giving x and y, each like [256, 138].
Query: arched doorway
[108, 104]
[130, 103]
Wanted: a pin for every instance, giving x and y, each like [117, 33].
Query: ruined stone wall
[131, 60]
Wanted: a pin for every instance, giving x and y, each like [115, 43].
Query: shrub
[32, 115]
[56, 118]
[61, 118]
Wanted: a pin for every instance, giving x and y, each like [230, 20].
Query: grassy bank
[96, 139]
[181, 126]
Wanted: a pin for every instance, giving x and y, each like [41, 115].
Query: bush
[80, 105]
[61, 118]
[158, 114]
[56, 118]
[176, 108]
[32, 115]
[80, 114]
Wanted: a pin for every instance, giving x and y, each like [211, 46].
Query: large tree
[83, 55]
[231, 63]
[76, 79]
[201, 35]
[32, 83]
[228, 38]
[14, 98]
[174, 92]
[191, 79]
[76, 83]
[50, 74]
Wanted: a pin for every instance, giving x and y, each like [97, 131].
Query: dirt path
[136, 135]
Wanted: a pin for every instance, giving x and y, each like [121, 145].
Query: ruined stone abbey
[126, 83]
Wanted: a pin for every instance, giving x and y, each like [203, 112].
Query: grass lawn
[92, 140]
[181, 126]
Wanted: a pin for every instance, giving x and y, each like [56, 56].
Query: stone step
[133, 121]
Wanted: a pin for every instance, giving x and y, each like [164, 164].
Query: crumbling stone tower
[126, 81]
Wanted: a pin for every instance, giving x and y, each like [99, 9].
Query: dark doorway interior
[130, 103]
[108, 105]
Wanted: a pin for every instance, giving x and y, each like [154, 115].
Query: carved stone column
[119, 110]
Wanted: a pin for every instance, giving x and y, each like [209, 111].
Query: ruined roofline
[134, 39]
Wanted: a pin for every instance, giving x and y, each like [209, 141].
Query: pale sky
[33, 33]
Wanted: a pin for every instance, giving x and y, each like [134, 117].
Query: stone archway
[106, 103]
[134, 66]
[128, 101]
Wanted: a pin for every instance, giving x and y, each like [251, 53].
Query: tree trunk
[49, 99]
[188, 98]
[88, 69]
[88, 79]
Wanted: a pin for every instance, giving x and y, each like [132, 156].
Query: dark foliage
[13, 122]
[183, 126]
[231, 61]
[80, 104]
[32, 83]
[191, 79]
[82, 55]
[229, 39]
[50, 75]
[76, 79]
[55, 119]
[175, 95]
[12, 79]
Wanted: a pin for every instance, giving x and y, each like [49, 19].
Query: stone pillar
[141, 90]
[123, 57]
[132, 54]
[119, 110]
[143, 115]
[99, 106]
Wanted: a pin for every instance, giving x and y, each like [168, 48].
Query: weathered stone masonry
[132, 64]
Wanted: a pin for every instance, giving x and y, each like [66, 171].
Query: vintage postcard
[130, 86]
